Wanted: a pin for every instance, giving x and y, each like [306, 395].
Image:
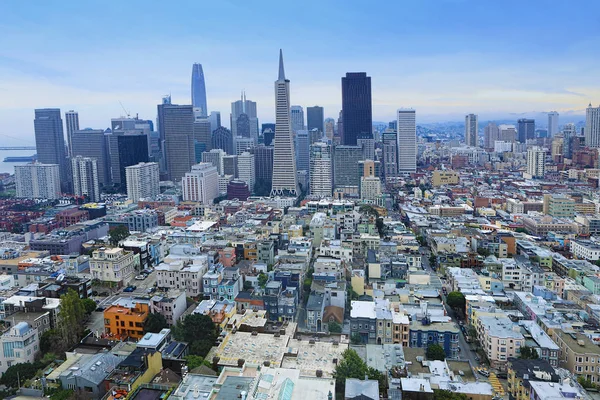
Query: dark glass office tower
[126, 149]
[356, 107]
[50, 142]
[315, 118]
[525, 130]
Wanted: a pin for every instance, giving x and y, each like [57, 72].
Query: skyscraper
[321, 178]
[490, 135]
[215, 157]
[199, 90]
[297, 115]
[126, 149]
[215, 120]
[92, 143]
[179, 140]
[569, 132]
[244, 120]
[37, 181]
[390, 154]
[223, 139]
[536, 162]
[263, 165]
[315, 119]
[85, 177]
[345, 162]
[202, 137]
[329, 128]
[356, 107]
[285, 180]
[471, 130]
[201, 183]
[143, 181]
[552, 123]
[72, 123]
[246, 169]
[592, 126]
[50, 141]
[526, 129]
[302, 146]
[407, 141]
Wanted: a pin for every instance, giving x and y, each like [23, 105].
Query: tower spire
[281, 71]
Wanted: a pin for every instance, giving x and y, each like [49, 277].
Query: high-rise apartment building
[592, 126]
[201, 184]
[50, 141]
[357, 114]
[244, 120]
[246, 169]
[223, 139]
[199, 90]
[321, 177]
[490, 135]
[85, 178]
[72, 124]
[390, 154]
[471, 130]
[297, 116]
[92, 143]
[552, 123]
[407, 141]
[143, 181]
[285, 180]
[526, 129]
[345, 162]
[536, 162]
[38, 181]
[315, 119]
[179, 140]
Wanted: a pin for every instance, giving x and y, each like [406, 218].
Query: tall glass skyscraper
[357, 113]
[50, 141]
[199, 90]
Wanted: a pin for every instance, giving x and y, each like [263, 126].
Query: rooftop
[363, 309]
[309, 358]
[577, 342]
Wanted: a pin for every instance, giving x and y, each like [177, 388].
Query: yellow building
[440, 178]
[358, 282]
[521, 371]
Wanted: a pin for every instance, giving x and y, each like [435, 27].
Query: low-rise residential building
[181, 275]
[538, 340]
[585, 250]
[363, 320]
[126, 321]
[500, 338]
[578, 354]
[20, 344]
[520, 374]
[113, 265]
[423, 334]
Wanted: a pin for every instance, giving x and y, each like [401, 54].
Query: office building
[263, 164]
[370, 188]
[368, 148]
[536, 162]
[285, 179]
[552, 124]
[243, 144]
[85, 178]
[592, 126]
[268, 133]
[407, 141]
[471, 130]
[178, 125]
[321, 178]
[38, 181]
[490, 136]
[215, 120]
[526, 129]
[569, 133]
[345, 161]
[329, 128]
[72, 124]
[199, 90]
[244, 120]
[202, 137]
[315, 119]
[215, 157]
[297, 116]
[126, 149]
[92, 143]
[357, 115]
[50, 141]
[201, 184]
[246, 170]
[230, 165]
[302, 147]
[143, 181]
[237, 189]
[390, 154]
[223, 139]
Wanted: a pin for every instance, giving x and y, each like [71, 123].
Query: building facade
[85, 178]
[357, 114]
[143, 181]
[321, 178]
[201, 184]
[112, 265]
[38, 181]
[407, 141]
[471, 130]
[50, 142]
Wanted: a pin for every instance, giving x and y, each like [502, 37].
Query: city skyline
[434, 74]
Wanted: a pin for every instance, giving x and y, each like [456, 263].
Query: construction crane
[123, 107]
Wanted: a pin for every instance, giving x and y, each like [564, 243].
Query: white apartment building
[321, 178]
[585, 250]
[592, 126]
[552, 123]
[246, 169]
[38, 181]
[370, 188]
[85, 177]
[407, 141]
[19, 344]
[536, 162]
[182, 275]
[201, 183]
[143, 181]
[113, 265]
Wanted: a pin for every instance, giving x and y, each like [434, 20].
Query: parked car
[99, 309]
[140, 277]
[151, 290]
[129, 289]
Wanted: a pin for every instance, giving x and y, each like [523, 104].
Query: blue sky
[445, 58]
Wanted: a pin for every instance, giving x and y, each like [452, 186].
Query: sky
[445, 58]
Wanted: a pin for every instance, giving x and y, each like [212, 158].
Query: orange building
[227, 256]
[123, 322]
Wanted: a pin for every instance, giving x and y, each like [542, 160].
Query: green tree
[50, 340]
[196, 361]
[63, 394]
[432, 260]
[20, 372]
[334, 327]
[72, 316]
[435, 352]
[456, 300]
[483, 252]
[352, 366]
[440, 394]
[585, 383]
[248, 285]
[421, 240]
[521, 230]
[155, 323]
[117, 234]
[262, 279]
[529, 353]
[356, 338]
[89, 305]
[199, 331]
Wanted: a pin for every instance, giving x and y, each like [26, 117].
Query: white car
[140, 277]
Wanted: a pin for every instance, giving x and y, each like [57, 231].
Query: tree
[63, 394]
[248, 285]
[356, 338]
[262, 279]
[20, 372]
[529, 353]
[196, 361]
[585, 383]
[199, 331]
[456, 300]
[334, 327]
[155, 323]
[483, 252]
[50, 340]
[421, 240]
[71, 317]
[521, 230]
[117, 234]
[435, 352]
[440, 394]
[89, 305]
[352, 366]
[432, 260]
